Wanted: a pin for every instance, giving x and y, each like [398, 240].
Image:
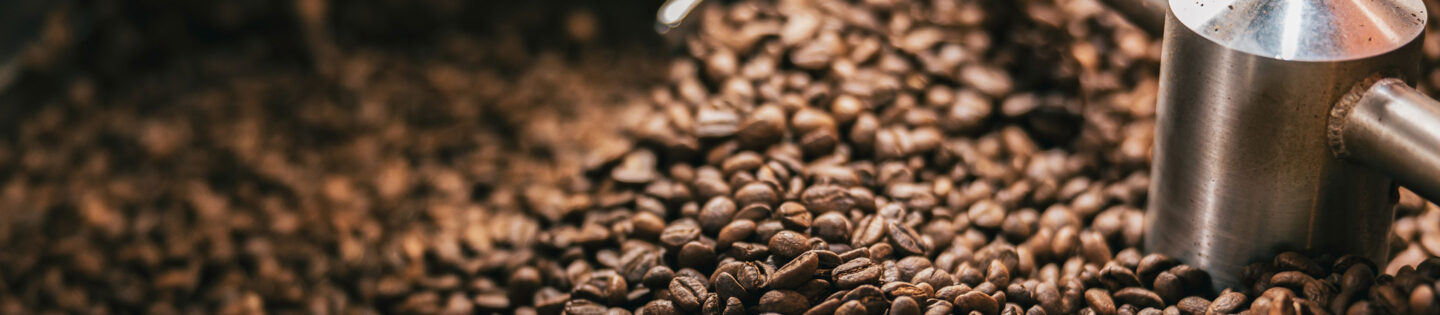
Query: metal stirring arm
[1392, 128]
[1385, 125]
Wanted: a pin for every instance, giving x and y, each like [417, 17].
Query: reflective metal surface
[1305, 30]
[1395, 129]
[672, 13]
[1242, 169]
[1148, 15]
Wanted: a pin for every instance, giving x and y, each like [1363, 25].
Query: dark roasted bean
[1139, 297]
[830, 306]
[676, 235]
[904, 305]
[904, 239]
[716, 214]
[794, 216]
[869, 295]
[976, 301]
[687, 293]
[788, 244]
[1228, 302]
[852, 308]
[869, 231]
[1289, 261]
[1169, 287]
[1193, 305]
[856, 272]
[997, 274]
[659, 307]
[1099, 300]
[795, 272]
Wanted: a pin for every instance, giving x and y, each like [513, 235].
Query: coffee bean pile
[868, 158]
[796, 157]
[220, 180]
[833, 157]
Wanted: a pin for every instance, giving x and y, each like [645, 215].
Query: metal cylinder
[1392, 128]
[1242, 169]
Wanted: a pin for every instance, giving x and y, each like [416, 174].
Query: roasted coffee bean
[881, 251]
[1277, 300]
[795, 272]
[1094, 248]
[1012, 309]
[753, 276]
[1139, 297]
[904, 305]
[1099, 300]
[856, 272]
[1049, 297]
[1292, 261]
[733, 306]
[869, 231]
[764, 230]
[872, 297]
[935, 277]
[904, 239]
[676, 235]
[716, 214]
[783, 302]
[852, 308]
[814, 288]
[659, 307]
[1228, 302]
[896, 289]
[713, 304]
[603, 286]
[1193, 305]
[696, 254]
[1422, 300]
[794, 216]
[987, 214]
[584, 307]
[997, 274]
[828, 259]
[748, 251]
[976, 301]
[1169, 287]
[735, 231]
[1035, 310]
[829, 306]
[756, 193]
[1193, 278]
[1319, 291]
[911, 265]
[764, 126]
[1294, 279]
[726, 286]
[1362, 308]
[1115, 276]
[1388, 300]
[826, 198]
[788, 244]
[1152, 265]
[687, 293]
[754, 212]
[832, 226]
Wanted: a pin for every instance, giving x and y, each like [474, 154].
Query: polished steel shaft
[1242, 166]
[1393, 128]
